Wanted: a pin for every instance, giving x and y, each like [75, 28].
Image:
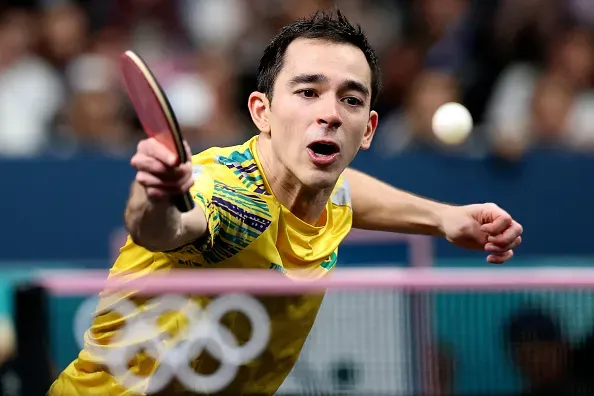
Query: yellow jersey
[248, 228]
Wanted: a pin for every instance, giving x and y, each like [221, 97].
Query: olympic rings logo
[205, 333]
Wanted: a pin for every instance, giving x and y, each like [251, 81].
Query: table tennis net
[394, 331]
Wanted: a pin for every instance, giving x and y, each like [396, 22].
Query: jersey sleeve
[202, 192]
[236, 211]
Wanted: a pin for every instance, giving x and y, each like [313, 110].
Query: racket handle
[184, 203]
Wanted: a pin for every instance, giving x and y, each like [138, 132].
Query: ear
[370, 131]
[259, 105]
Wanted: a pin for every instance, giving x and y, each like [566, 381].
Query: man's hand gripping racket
[159, 173]
[163, 160]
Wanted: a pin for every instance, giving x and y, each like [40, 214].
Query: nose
[329, 115]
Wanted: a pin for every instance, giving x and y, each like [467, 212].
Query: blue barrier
[54, 209]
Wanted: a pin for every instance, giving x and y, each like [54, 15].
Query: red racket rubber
[155, 113]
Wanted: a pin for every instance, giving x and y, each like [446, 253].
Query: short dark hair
[324, 25]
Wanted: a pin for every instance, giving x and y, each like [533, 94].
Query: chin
[320, 179]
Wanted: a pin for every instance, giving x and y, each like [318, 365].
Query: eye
[307, 93]
[352, 101]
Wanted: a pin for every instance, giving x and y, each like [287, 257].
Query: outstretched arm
[379, 206]
[150, 217]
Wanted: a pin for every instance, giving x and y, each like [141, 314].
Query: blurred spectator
[547, 106]
[30, 89]
[523, 29]
[542, 354]
[204, 97]
[508, 114]
[93, 115]
[410, 128]
[64, 33]
[442, 370]
[583, 360]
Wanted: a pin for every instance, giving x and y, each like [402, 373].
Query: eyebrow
[346, 85]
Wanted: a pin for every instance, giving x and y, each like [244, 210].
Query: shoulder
[215, 159]
[224, 155]
[341, 195]
[232, 166]
[231, 179]
[341, 208]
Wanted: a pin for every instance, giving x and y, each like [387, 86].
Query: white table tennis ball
[452, 123]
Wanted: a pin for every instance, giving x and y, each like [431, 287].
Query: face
[320, 114]
[431, 90]
[64, 31]
[552, 105]
[576, 57]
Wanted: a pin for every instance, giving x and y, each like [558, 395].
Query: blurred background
[524, 68]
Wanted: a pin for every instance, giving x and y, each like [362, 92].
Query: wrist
[150, 220]
[421, 216]
[440, 213]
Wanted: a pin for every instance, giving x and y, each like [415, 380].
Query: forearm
[159, 226]
[379, 206]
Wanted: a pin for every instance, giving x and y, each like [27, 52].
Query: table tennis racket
[155, 113]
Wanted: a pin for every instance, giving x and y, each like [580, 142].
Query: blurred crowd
[524, 68]
[549, 362]
[536, 341]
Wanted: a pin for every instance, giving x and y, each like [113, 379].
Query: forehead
[318, 56]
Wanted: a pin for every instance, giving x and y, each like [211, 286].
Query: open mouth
[323, 148]
[323, 153]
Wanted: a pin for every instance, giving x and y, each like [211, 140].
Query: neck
[306, 203]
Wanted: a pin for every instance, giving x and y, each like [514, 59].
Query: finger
[152, 148]
[187, 185]
[492, 248]
[500, 258]
[149, 180]
[498, 225]
[144, 163]
[164, 192]
[188, 149]
[157, 193]
[178, 174]
[508, 236]
[186, 169]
